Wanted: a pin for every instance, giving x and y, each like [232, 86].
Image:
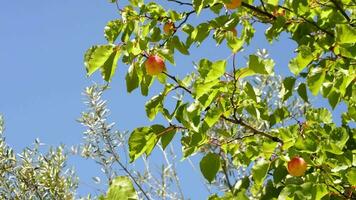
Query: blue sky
[42, 76]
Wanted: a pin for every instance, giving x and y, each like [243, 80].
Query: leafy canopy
[224, 114]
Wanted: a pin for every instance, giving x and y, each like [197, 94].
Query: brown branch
[338, 7]
[181, 2]
[308, 21]
[256, 9]
[176, 80]
[254, 130]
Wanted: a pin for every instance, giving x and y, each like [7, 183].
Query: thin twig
[176, 80]
[181, 2]
[256, 9]
[254, 130]
[309, 21]
[338, 7]
[116, 157]
[263, 5]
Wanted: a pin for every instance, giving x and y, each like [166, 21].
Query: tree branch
[176, 80]
[254, 130]
[309, 21]
[256, 9]
[181, 2]
[338, 7]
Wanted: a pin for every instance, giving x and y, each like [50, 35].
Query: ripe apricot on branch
[297, 166]
[233, 4]
[154, 65]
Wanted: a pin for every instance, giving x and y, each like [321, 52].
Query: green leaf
[109, 67]
[320, 115]
[132, 78]
[209, 166]
[302, 60]
[235, 44]
[315, 79]
[288, 87]
[272, 2]
[146, 83]
[211, 71]
[180, 45]
[302, 91]
[167, 137]
[198, 5]
[142, 140]
[260, 66]
[334, 98]
[244, 72]
[345, 33]
[98, 56]
[250, 91]
[112, 30]
[213, 115]
[351, 176]
[121, 188]
[259, 171]
[154, 105]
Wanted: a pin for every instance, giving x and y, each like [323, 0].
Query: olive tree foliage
[33, 174]
[259, 135]
[108, 148]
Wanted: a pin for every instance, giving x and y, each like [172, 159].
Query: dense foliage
[221, 106]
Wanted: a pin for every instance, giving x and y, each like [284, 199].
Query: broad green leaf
[302, 60]
[202, 88]
[260, 66]
[192, 143]
[121, 188]
[259, 171]
[272, 2]
[302, 91]
[132, 78]
[136, 2]
[288, 192]
[213, 115]
[210, 71]
[320, 115]
[200, 33]
[112, 30]
[167, 137]
[142, 140]
[315, 79]
[334, 98]
[320, 191]
[198, 5]
[146, 82]
[235, 44]
[279, 173]
[97, 56]
[154, 105]
[244, 72]
[209, 166]
[288, 87]
[109, 67]
[351, 176]
[180, 45]
[250, 91]
[345, 33]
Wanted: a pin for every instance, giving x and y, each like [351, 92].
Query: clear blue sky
[42, 76]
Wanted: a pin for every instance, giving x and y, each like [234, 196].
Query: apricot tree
[222, 113]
